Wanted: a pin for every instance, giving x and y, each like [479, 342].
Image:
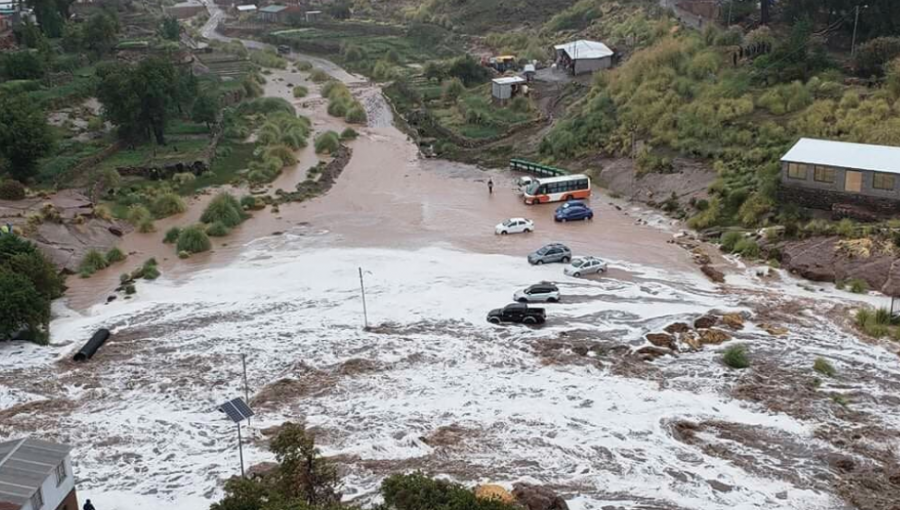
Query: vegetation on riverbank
[28, 283]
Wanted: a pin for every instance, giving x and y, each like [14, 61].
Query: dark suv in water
[517, 312]
[554, 252]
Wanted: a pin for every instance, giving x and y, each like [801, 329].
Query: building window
[824, 174]
[61, 473]
[797, 171]
[37, 500]
[883, 181]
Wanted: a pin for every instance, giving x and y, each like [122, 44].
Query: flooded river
[431, 385]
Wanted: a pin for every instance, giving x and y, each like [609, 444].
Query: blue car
[573, 210]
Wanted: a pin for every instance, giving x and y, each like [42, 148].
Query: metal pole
[853, 43]
[362, 288]
[241, 449]
[246, 386]
[730, 8]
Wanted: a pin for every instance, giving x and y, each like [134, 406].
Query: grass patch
[729, 241]
[193, 239]
[824, 367]
[224, 209]
[735, 356]
[224, 170]
[168, 204]
[857, 285]
[319, 76]
[327, 142]
[300, 91]
[172, 235]
[92, 262]
[217, 229]
[114, 255]
[349, 134]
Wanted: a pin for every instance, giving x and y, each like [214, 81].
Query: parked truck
[517, 313]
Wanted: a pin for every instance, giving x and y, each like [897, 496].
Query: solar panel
[236, 409]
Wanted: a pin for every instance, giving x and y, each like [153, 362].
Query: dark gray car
[555, 252]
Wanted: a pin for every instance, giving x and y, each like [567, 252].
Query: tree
[49, 17]
[170, 29]
[23, 65]
[339, 9]
[25, 136]
[73, 37]
[303, 474]
[100, 33]
[137, 99]
[28, 281]
[206, 109]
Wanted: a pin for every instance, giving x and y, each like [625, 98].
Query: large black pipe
[93, 345]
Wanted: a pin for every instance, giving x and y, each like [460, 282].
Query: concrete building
[36, 475]
[506, 87]
[274, 13]
[821, 174]
[580, 57]
[185, 10]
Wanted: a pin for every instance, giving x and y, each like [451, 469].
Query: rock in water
[494, 492]
[536, 497]
[774, 330]
[705, 322]
[677, 327]
[713, 273]
[662, 340]
[733, 320]
[651, 353]
[713, 336]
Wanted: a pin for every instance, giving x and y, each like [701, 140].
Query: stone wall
[825, 200]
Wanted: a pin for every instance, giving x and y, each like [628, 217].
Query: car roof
[555, 245]
[517, 219]
[516, 305]
[543, 286]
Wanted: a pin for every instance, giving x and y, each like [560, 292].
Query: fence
[522, 165]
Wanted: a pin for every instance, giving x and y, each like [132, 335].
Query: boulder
[537, 497]
[713, 336]
[774, 330]
[691, 338]
[651, 353]
[713, 273]
[705, 322]
[662, 340]
[494, 492]
[734, 321]
[892, 286]
[676, 328]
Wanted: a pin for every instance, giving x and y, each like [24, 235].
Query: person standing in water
[490, 186]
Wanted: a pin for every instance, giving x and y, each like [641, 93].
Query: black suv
[517, 312]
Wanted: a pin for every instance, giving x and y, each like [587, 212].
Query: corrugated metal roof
[858, 156]
[509, 80]
[274, 9]
[583, 49]
[245, 8]
[25, 464]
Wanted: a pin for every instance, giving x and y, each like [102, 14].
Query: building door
[853, 181]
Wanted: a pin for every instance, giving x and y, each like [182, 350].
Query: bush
[863, 316]
[168, 204]
[356, 115]
[224, 209]
[304, 65]
[92, 262]
[416, 491]
[138, 214]
[185, 178]
[327, 142]
[12, 190]
[337, 108]
[736, 357]
[193, 239]
[146, 227]
[822, 366]
[319, 76]
[730, 240]
[874, 54]
[172, 235]
[130, 289]
[349, 134]
[747, 248]
[452, 89]
[520, 104]
[857, 285]
[217, 229]
[114, 255]
[883, 316]
[300, 91]
[184, 254]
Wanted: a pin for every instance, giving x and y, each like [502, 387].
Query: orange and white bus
[555, 189]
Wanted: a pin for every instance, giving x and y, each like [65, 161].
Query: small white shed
[579, 57]
[506, 87]
[246, 9]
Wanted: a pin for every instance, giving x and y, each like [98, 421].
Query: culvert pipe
[93, 345]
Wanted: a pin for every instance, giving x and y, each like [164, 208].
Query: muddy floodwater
[583, 404]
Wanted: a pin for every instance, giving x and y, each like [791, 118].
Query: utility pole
[853, 43]
[246, 392]
[241, 449]
[730, 9]
[362, 288]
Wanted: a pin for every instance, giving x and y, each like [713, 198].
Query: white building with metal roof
[822, 173]
[583, 56]
[506, 87]
[36, 475]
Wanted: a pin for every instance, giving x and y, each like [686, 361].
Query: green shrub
[349, 134]
[281, 152]
[319, 76]
[730, 240]
[92, 262]
[224, 209]
[168, 204]
[300, 91]
[822, 366]
[736, 357]
[11, 190]
[747, 248]
[267, 59]
[172, 235]
[857, 285]
[184, 254]
[883, 316]
[304, 65]
[452, 89]
[415, 491]
[94, 124]
[217, 229]
[250, 203]
[150, 271]
[356, 115]
[846, 228]
[327, 142]
[193, 239]
[708, 217]
[863, 316]
[520, 104]
[146, 227]
[114, 255]
[138, 214]
[337, 108]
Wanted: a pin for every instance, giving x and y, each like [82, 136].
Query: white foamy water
[146, 432]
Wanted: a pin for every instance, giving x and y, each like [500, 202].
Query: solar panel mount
[236, 409]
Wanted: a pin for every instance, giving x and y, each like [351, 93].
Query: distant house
[246, 9]
[580, 57]
[274, 13]
[185, 10]
[506, 87]
[36, 475]
[821, 174]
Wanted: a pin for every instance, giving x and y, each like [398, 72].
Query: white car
[584, 266]
[542, 292]
[514, 226]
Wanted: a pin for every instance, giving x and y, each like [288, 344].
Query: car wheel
[553, 300]
[565, 260]
[540, 262]
[577, 275]
[529, 320]
[522, 300]
[563, 220]
[591, 217]
[494, 320]
[503, 232]
[527, 230]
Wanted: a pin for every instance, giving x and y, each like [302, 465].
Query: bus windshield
[532, 188]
